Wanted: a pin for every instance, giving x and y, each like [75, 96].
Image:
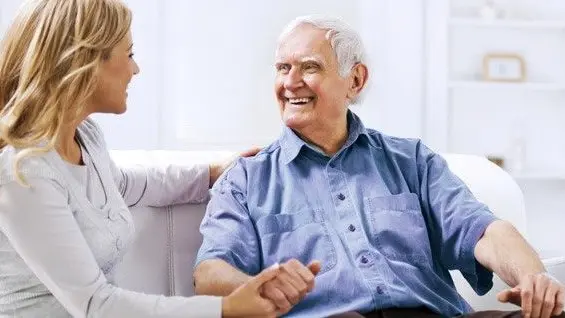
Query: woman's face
[114, 76]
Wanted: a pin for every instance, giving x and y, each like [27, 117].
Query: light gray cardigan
[61, 238]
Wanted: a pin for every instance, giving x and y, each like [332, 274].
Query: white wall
[207, 70]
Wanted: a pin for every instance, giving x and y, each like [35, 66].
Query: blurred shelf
[512, 85]
[539, 176]
[516, 24]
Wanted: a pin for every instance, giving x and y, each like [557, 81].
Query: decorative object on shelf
[497, 160]
[504, 67]
[489, 11]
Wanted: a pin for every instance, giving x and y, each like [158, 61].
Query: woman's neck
[67, 145]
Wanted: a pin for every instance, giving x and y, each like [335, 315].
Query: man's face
[309, 89]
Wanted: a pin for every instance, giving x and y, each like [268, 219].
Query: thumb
[315, 267]
[265, 276]
[504, 296]
[508, 295]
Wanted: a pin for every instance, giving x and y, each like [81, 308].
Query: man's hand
[538, 295]
[246, 301]
[291, 285]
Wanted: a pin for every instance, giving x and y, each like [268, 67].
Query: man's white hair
[344, 40]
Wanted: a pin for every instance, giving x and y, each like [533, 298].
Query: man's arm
[504, 251]
[217, 277]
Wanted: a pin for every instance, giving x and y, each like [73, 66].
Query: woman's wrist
[226, 307]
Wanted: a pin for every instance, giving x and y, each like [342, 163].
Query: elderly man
[375, 221]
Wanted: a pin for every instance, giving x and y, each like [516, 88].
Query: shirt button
[341, 196]
[119, 244]
[379, 290]
[364, 260]
[351, 228]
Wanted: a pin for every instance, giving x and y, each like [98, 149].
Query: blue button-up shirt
[384, 215]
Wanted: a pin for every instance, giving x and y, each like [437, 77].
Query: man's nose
[293, 80]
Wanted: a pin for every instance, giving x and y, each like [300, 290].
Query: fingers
[541, 283]
[295, 282]
[559, 302]
[315, 267]
[302, 271]
[265, 276]
[271, 291]
[511, 295]
[527, 295]
[548, 304]
[250, 152]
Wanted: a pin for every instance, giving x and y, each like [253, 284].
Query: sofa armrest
[554, 266]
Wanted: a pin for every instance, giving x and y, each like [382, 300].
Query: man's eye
[311, 67]
[283, 68]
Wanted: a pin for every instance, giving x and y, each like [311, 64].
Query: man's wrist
[553, 278]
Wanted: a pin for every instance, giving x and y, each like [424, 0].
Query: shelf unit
[456, 45]
[475, 84]
[516, 24]
[467, 115]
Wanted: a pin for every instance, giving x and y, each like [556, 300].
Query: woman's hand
[246, 301]
[217, 168]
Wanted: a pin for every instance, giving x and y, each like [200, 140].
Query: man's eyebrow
[130, 47]
[311, 59]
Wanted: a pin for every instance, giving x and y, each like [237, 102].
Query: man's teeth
[299, 100]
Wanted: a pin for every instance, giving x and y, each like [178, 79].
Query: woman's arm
[162, 185]
[40, 226]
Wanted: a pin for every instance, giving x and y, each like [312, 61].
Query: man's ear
[358, 80]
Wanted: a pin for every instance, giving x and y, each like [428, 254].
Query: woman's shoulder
[91, 134]
[33, 166]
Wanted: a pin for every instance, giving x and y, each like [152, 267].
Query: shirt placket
[349, 223]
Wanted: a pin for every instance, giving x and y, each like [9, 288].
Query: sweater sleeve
[40, 226]
[161, 185]
[149, 185]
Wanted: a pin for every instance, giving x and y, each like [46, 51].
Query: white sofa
[162, 256]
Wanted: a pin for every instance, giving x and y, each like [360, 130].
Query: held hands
[291, 285]
[246, 300]
[217, 168]
[539, 296]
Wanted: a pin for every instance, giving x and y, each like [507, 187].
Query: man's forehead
[299, 57]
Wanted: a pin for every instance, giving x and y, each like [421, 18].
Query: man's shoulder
[264, 160]
[401, 145]
[267, 156]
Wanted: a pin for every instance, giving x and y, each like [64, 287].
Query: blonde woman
[64, 218]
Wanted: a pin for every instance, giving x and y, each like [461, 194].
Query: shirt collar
[291, 144]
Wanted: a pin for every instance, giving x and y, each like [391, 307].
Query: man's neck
[328, 140]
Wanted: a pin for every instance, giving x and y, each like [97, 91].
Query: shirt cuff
[478, 276]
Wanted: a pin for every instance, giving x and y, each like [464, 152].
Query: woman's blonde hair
[48, 61]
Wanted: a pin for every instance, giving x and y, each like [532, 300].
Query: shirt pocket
[398, 228]
[299, 235]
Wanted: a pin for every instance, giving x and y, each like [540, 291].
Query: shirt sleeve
[227, 229]
[162, 185]
[40, 226]
[459, 219]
